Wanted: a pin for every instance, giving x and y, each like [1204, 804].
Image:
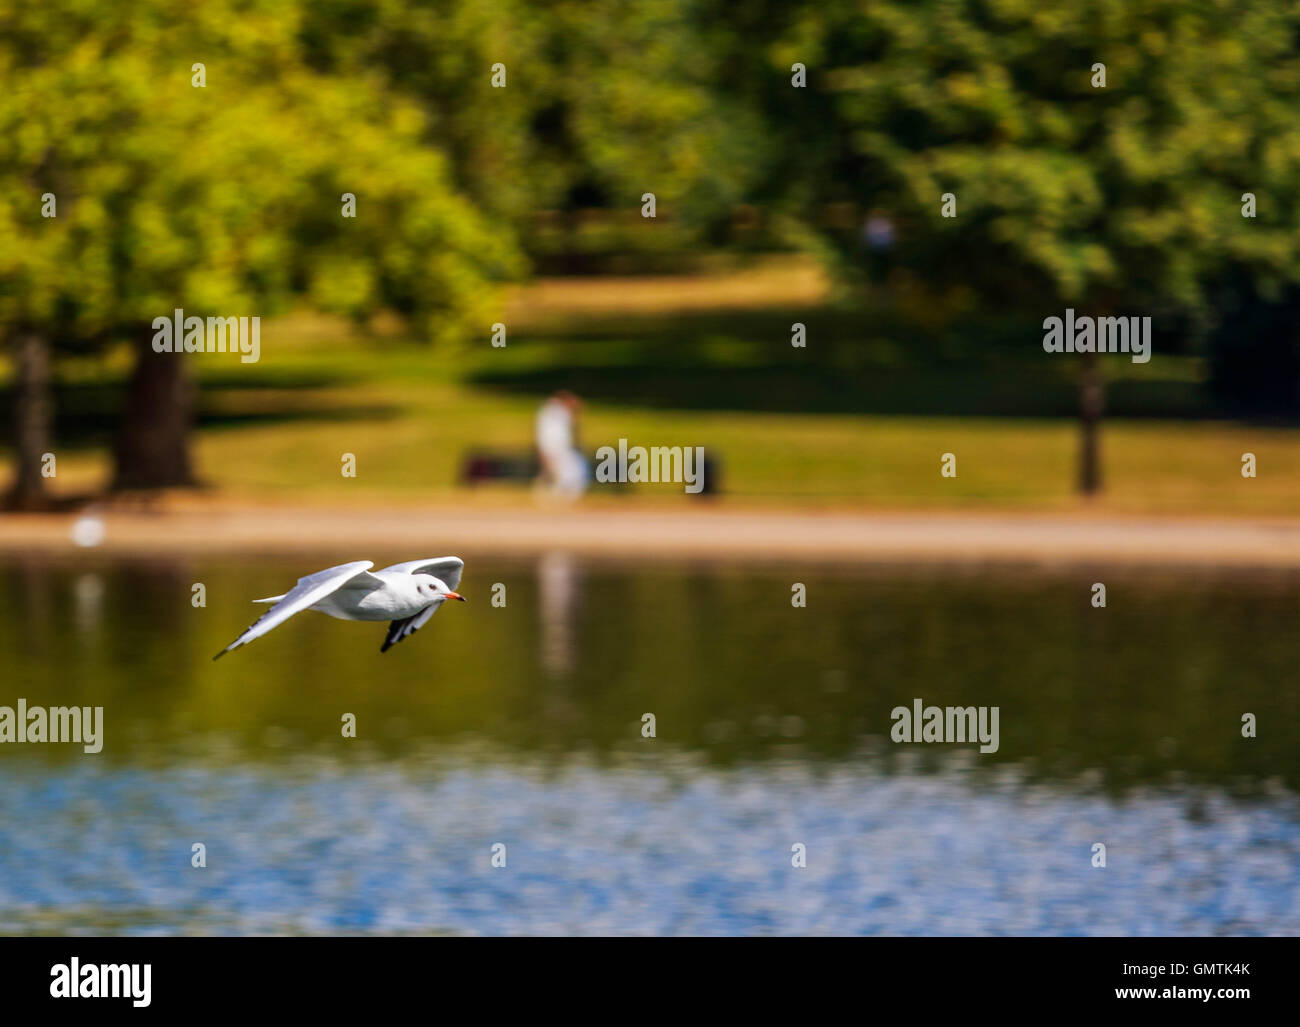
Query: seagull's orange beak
[454, 595]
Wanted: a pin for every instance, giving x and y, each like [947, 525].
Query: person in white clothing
[564, 470]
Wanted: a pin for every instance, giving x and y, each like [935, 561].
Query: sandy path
[718, 532]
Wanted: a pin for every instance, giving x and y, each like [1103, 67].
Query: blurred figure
[878, 232]
[564, 470]
[878, 240]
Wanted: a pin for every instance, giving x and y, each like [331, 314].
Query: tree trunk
[1091, 403]
[31, 424]
[153, 444]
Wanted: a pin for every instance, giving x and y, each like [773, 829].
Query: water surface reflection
[522, 725]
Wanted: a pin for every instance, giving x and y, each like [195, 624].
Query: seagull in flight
[407, 594]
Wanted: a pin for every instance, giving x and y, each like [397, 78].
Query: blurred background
[776, 203]
[500, 285]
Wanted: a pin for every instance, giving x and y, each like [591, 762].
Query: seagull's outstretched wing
[311, 589]
[400, 629]
[446, 568]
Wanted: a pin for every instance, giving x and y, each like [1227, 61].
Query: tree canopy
[226, 197]
[1098, 152]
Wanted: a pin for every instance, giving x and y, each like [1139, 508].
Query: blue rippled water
[633, 848]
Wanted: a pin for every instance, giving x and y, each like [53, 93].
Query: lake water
[521, 726]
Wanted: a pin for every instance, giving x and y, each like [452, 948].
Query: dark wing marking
[400, 629]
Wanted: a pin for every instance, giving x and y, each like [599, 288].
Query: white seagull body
[407, 594]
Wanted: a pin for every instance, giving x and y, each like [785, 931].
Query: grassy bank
[860, 417]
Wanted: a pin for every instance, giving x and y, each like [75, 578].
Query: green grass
[860, 417]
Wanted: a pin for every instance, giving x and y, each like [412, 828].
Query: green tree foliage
[223, 200]
[1127, 195]
[603, 100]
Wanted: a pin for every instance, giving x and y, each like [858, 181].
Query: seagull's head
[432, 588]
